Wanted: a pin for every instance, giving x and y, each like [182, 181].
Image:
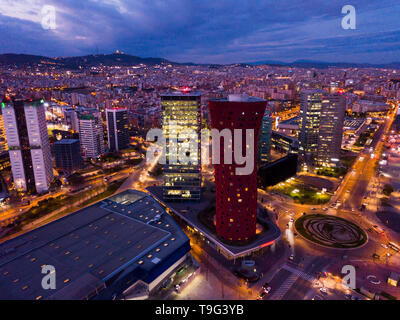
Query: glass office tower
[181, 114]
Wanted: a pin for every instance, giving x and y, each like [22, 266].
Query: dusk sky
[206, 31]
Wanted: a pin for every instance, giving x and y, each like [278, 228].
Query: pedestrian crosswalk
[278, 294]
[300, 273]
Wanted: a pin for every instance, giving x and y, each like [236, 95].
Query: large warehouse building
[115, 248]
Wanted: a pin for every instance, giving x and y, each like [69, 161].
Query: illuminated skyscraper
[117, 129]
[236, 195]
[264, 141]
[310, 116]
[91, 133]
[3, 138]
[331, 129]
[321, 126]
[181, 114]
[28, 144]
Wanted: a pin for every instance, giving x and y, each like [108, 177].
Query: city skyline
[185, 31]
[235, 176]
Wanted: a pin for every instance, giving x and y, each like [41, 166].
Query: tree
[387, 189]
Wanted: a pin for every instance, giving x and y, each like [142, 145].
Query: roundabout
[331, 232]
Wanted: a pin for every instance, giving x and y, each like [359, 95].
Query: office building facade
[331, 130]
[264, 140]
[117, 129]
[67, 154]
[236, 195]
[320, 128]
[181, 115]
[310, 116]
[28, 144]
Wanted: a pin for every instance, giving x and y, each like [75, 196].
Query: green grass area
[346, 163]
[302, 194]
[332, 172]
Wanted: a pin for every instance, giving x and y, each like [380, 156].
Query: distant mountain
[119, 59]
[114, 59]
[324, 65]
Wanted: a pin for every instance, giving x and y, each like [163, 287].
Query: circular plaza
[330, 231]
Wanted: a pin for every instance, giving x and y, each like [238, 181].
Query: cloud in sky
[214, 31]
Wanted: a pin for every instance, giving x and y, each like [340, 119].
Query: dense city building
[67, 154]
[331, 129]
[264, 140]
[283, 143]
[28, 144]
[310, 117]
[117, 129]
[236, 195]
[277, 171]
[181, 118]
[321, 127]
[91, 134]
[3, 138]
[71, 119]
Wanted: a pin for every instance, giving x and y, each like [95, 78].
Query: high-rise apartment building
[117, 129]
[180, 114]
[91, 134]
[28, 144]
[264, 140]
[236, 195]
[3, 138]
[320, 127]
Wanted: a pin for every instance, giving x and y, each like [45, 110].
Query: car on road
[262, 295]
[384, 245]
[378, 229]
[291, 220]
[323, 290]
[242, 274]
[291, 257]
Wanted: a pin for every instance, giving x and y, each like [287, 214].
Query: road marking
[300, 273]
[284, 288]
